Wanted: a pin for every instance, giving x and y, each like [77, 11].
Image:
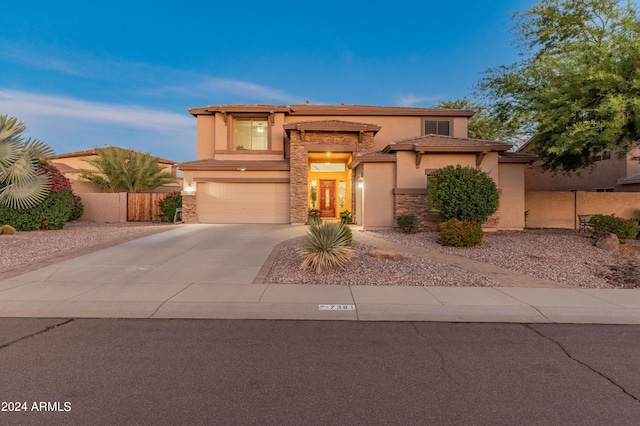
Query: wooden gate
[143, 207]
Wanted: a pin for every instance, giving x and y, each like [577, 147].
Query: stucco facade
[369, 160]
[610, 173]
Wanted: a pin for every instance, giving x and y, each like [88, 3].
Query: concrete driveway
[142, 273]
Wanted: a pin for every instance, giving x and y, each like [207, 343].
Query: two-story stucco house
[272, 164]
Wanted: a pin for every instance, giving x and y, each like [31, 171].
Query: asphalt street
[108, 371]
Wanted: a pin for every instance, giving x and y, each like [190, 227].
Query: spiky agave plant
[327, 246]
[22, 185]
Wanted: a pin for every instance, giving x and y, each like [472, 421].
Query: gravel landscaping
[31, 248]
[367, 270]
[558, 255]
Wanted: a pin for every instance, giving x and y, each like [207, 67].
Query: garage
[251, 202]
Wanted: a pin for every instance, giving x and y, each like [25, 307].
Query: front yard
[560, 255]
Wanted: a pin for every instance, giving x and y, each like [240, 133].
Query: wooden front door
[328, 198]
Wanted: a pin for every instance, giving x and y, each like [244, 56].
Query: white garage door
[243, 202]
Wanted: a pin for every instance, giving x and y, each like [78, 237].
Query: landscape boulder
[609, 242]
[385, 254]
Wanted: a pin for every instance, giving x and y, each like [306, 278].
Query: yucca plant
[22, 185]
[327, 246]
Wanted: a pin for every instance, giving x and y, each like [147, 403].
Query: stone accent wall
[299, 168]
[189, 213]
[417, 205]
[299, 180]
[350, 139]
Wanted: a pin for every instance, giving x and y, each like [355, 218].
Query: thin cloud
[412, 100]
[22, 54]
[213, 87]
[151, 80]
[25, 104]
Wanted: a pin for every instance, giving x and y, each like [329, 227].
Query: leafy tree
[577, 86]
[22, 184]
[463, 193]
[486, 124]
[125, 170]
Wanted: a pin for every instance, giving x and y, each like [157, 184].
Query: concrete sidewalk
[206, 271]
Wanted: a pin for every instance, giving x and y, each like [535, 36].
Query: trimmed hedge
[463, 193]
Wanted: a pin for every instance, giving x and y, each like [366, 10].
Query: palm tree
[125, 170]
[22, 185]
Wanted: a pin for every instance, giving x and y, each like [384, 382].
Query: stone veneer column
[416, 202]
[298, 180]
[189, 213]
[299, 167]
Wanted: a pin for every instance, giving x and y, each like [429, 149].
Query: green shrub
[623, 228]
[460, 233]
[313, 217]
[7, 230]
[77, 208]
[169, 204]
[463, 193]
[408, 223]
[327, 246]
[345, 217]
[52, 213]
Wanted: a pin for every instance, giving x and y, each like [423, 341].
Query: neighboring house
[70, 163]
[610, 173]
[271, 164]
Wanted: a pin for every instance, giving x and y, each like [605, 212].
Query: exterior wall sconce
[190, 189]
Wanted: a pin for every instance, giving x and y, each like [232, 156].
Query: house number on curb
[337, 307]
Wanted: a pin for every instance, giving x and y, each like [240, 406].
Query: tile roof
[212, 164]
[372, 157]
[439, 143]
[308, 109]
[516, 157]
[629, 180]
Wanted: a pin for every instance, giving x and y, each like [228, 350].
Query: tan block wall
[104, 207]
[560, 209]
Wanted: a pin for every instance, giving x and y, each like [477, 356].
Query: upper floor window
[252, 134]
[437, 127]
[604, 156]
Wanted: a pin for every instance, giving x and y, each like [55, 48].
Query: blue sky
[82, 74]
